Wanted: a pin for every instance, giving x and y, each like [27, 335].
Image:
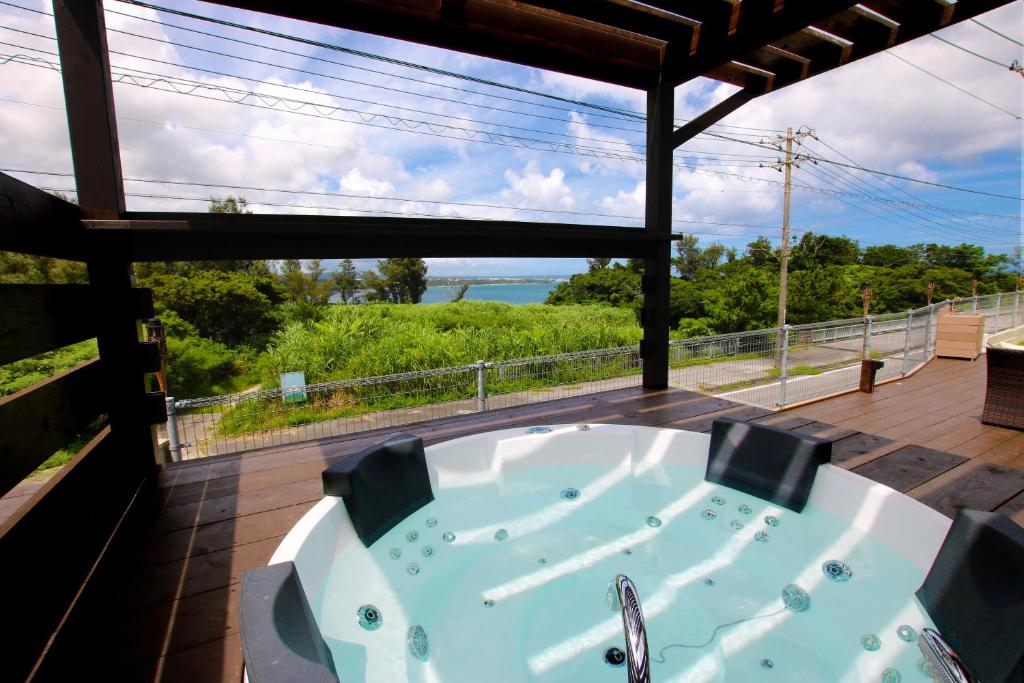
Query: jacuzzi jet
[653, 521]
[500, 535]
[796, 598]
[614, 657]
[488, 603]
[427, 551]
[370, 617]
[627, 551]
[395, 553]
[542, 560]
[761, 536]
[709, 582]
[744, 509]
[412, 568]
[870, 642]
[771, 520]
[837, 571]
[708, 514]
[718, 500]
[416, 639]
[583, 428]
[906, 633]
[767, 663]
[448, 537]
[412, 536]
[736, 524]
[570, 494]
[538, 430]
[431, 522]
[891, 676]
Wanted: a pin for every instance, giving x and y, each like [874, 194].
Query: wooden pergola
[55, 545]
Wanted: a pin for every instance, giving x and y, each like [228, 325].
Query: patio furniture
[1004, 395]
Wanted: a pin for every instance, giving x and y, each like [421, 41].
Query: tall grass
[365, 341]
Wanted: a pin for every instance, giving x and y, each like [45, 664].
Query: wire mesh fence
[771, 368]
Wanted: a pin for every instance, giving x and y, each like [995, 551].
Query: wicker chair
[1004, 396]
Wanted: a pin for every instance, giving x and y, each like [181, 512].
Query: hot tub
[504, 576]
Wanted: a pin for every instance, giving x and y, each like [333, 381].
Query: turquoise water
[529, 604]
[513, 293]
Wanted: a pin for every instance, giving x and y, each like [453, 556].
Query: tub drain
[615, 657]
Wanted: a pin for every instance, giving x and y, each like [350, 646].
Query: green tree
[597, 263]
[888, 256]
[397, 280]
[760, 253]
[691, 259]
[613, 286]
[818, 251]
[741, 298]
[234, 308]
[346, 281]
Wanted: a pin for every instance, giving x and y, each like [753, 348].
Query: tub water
[504, 577]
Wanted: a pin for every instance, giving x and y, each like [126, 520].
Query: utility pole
[786, 166]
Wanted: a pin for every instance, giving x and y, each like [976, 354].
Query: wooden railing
[51, 545]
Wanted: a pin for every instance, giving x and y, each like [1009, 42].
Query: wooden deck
[166, 607]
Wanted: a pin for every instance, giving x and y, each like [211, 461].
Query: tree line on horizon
[718, 290]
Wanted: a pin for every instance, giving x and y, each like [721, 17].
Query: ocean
[511, 292]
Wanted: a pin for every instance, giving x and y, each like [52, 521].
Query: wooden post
[931, 292]
[657, 267]
[88, 93]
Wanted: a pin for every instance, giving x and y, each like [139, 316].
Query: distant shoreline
[437, 281]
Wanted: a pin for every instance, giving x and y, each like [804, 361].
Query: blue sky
[334, 133]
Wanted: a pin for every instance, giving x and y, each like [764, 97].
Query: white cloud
[530, 187]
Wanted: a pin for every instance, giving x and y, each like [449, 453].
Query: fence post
[867, 338]
[173, 442]
[928, 334]
[1016, 308]
[906, 342]
[481, 386]
[783, 366]
[999, 303]
[974, 304]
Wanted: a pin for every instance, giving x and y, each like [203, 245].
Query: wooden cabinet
[959, 335]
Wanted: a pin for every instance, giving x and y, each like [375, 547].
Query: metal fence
[771, 368]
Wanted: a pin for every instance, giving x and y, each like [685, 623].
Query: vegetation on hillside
[716, 291]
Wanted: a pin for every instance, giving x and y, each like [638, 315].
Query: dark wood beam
[658, 223]
[794, 16]
[712, 116]
[51, 543]
[206, 236]
[630, 16]
[36, 222]
[38, 421]
[512, 31]
[869, 34]
[39, 318]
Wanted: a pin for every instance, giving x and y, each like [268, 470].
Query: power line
[372, 56]
[1001, 35]
[970, 52]
[953, 85]
[409, 200]
[883, 173]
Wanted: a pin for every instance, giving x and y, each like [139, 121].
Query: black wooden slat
[37, 421]
[704, 422]
[909, 466]
[854, 445]
[198, 236]
[38, 318]
[985, 487]
[51, 544]
[35, 222]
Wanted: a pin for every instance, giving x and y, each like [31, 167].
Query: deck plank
[909, 467]
[218, 517]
